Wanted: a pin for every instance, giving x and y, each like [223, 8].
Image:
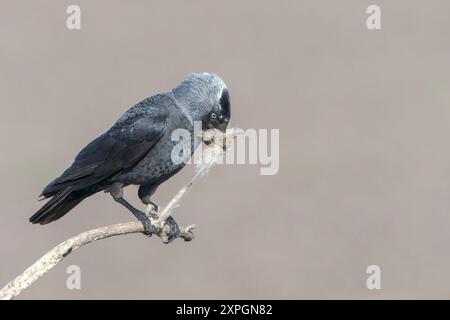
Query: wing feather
[121, 147]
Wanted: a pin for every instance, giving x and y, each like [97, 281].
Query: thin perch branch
[58, 253]
[55, 255]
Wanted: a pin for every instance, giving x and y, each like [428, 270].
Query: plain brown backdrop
[364, 122]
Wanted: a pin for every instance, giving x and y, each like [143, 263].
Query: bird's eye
[213, 115]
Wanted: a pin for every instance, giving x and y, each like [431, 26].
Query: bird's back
[157, 165]
[118, 150]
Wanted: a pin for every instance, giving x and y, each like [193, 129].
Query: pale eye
[213, 115]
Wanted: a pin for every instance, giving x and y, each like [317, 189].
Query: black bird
[137, 149]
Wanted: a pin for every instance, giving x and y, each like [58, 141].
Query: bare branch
[55, 255]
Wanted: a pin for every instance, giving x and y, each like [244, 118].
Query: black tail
[58, 206]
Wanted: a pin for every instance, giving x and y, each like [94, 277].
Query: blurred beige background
[364, 119]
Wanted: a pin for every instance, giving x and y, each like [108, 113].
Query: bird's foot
[170, 231]
[152, 210]
[149, 229]
[174, 231]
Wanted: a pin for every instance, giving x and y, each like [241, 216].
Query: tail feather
[57, 206]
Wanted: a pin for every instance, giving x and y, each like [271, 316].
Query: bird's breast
[161, 162]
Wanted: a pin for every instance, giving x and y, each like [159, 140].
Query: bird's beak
[223, 127]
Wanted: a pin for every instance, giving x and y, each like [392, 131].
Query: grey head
[206, 98]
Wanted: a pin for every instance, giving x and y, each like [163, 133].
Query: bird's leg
[141, 216]
[145, 193]
[152, 210]
[146, 190]
[117, 194]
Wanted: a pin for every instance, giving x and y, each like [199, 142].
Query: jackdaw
[137, 149]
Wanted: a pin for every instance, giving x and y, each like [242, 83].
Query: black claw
[174, 229]
[155, 206]
[149, 229]
[152, 215]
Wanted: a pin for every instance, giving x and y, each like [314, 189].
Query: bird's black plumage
[137, 148]
[121, 147]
